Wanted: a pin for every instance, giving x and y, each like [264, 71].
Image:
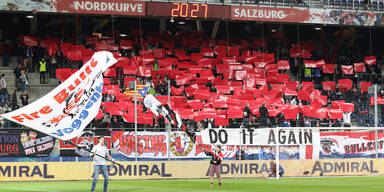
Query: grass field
[321, 184]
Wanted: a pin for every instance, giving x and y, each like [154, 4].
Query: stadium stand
[214, 79]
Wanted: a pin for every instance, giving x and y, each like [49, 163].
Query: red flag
[271, 67]
[370, 60]
[235, 113]
[292, 85]
[52, 49]
[177, 91]
[159, 53]
[314, 64]
[221, 120]
[322, 113]
[30, 41]
[75, 55]
[282, 77]
[307, 86]
[240, 75]
[301, 53]
[283, 64]
[206, 51]
[347, 107]
[110, 72]
[364, 86]
[223, 89]
[347, 69]
[335, 114]
[329, 85]
[380, 100]
[233, 51]
[219, 104]
[359, 67]
[329, 68]
[345, 84]
[126, 44]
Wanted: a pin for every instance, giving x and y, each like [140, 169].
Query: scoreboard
[188, 10]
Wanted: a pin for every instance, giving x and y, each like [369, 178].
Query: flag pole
[169, 131]
[135, 120]
[70, 142]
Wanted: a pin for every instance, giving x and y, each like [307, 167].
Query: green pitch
[322, 184]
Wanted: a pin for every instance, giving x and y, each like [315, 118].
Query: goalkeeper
[216, 159]
[99, 163]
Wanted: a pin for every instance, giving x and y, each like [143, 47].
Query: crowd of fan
[32, 59]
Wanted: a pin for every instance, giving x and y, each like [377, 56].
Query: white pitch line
[25, 189]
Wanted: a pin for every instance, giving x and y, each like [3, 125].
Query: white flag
[65, 111]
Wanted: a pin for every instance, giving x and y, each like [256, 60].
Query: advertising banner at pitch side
[25, 143]
[65, 111]
[55, 171]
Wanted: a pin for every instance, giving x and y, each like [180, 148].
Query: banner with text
[155, 145]
[268, 136]
[298, 145]
[350, 144]
[50, 171]
[84, 142]
[305, 15]
[25, 143]
[112, 7]
[66, 110]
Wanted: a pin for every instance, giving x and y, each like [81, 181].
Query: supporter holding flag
[263, 115]
[247, 114]
[347, 119]
[214, 167]
[99, 163]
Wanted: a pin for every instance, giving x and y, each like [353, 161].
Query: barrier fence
[255, 153]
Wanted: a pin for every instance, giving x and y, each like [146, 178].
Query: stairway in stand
[34, 88]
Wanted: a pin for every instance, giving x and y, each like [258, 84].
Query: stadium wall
[47, 171]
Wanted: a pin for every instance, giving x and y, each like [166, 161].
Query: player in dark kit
[214, 167]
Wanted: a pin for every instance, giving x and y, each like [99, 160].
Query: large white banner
[268, 136]
[65, 111]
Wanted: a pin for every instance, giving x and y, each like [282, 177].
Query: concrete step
[33, 78]
[34, 91]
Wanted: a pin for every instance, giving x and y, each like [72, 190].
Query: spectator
[17, 74]
[347, 119]
[263, 115]
[115, 123]
[247, 114]
[14, 99]
[3, 85]
[367, 4]
[281, 170]
[200, 126]
[1, 118]
[24, 98]
[6, 109]
[5, 50]
[106, 120]
[209, 123]
[23, 80]
[42, 70]
[29, 57]
[52, 69]
[152, 91]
